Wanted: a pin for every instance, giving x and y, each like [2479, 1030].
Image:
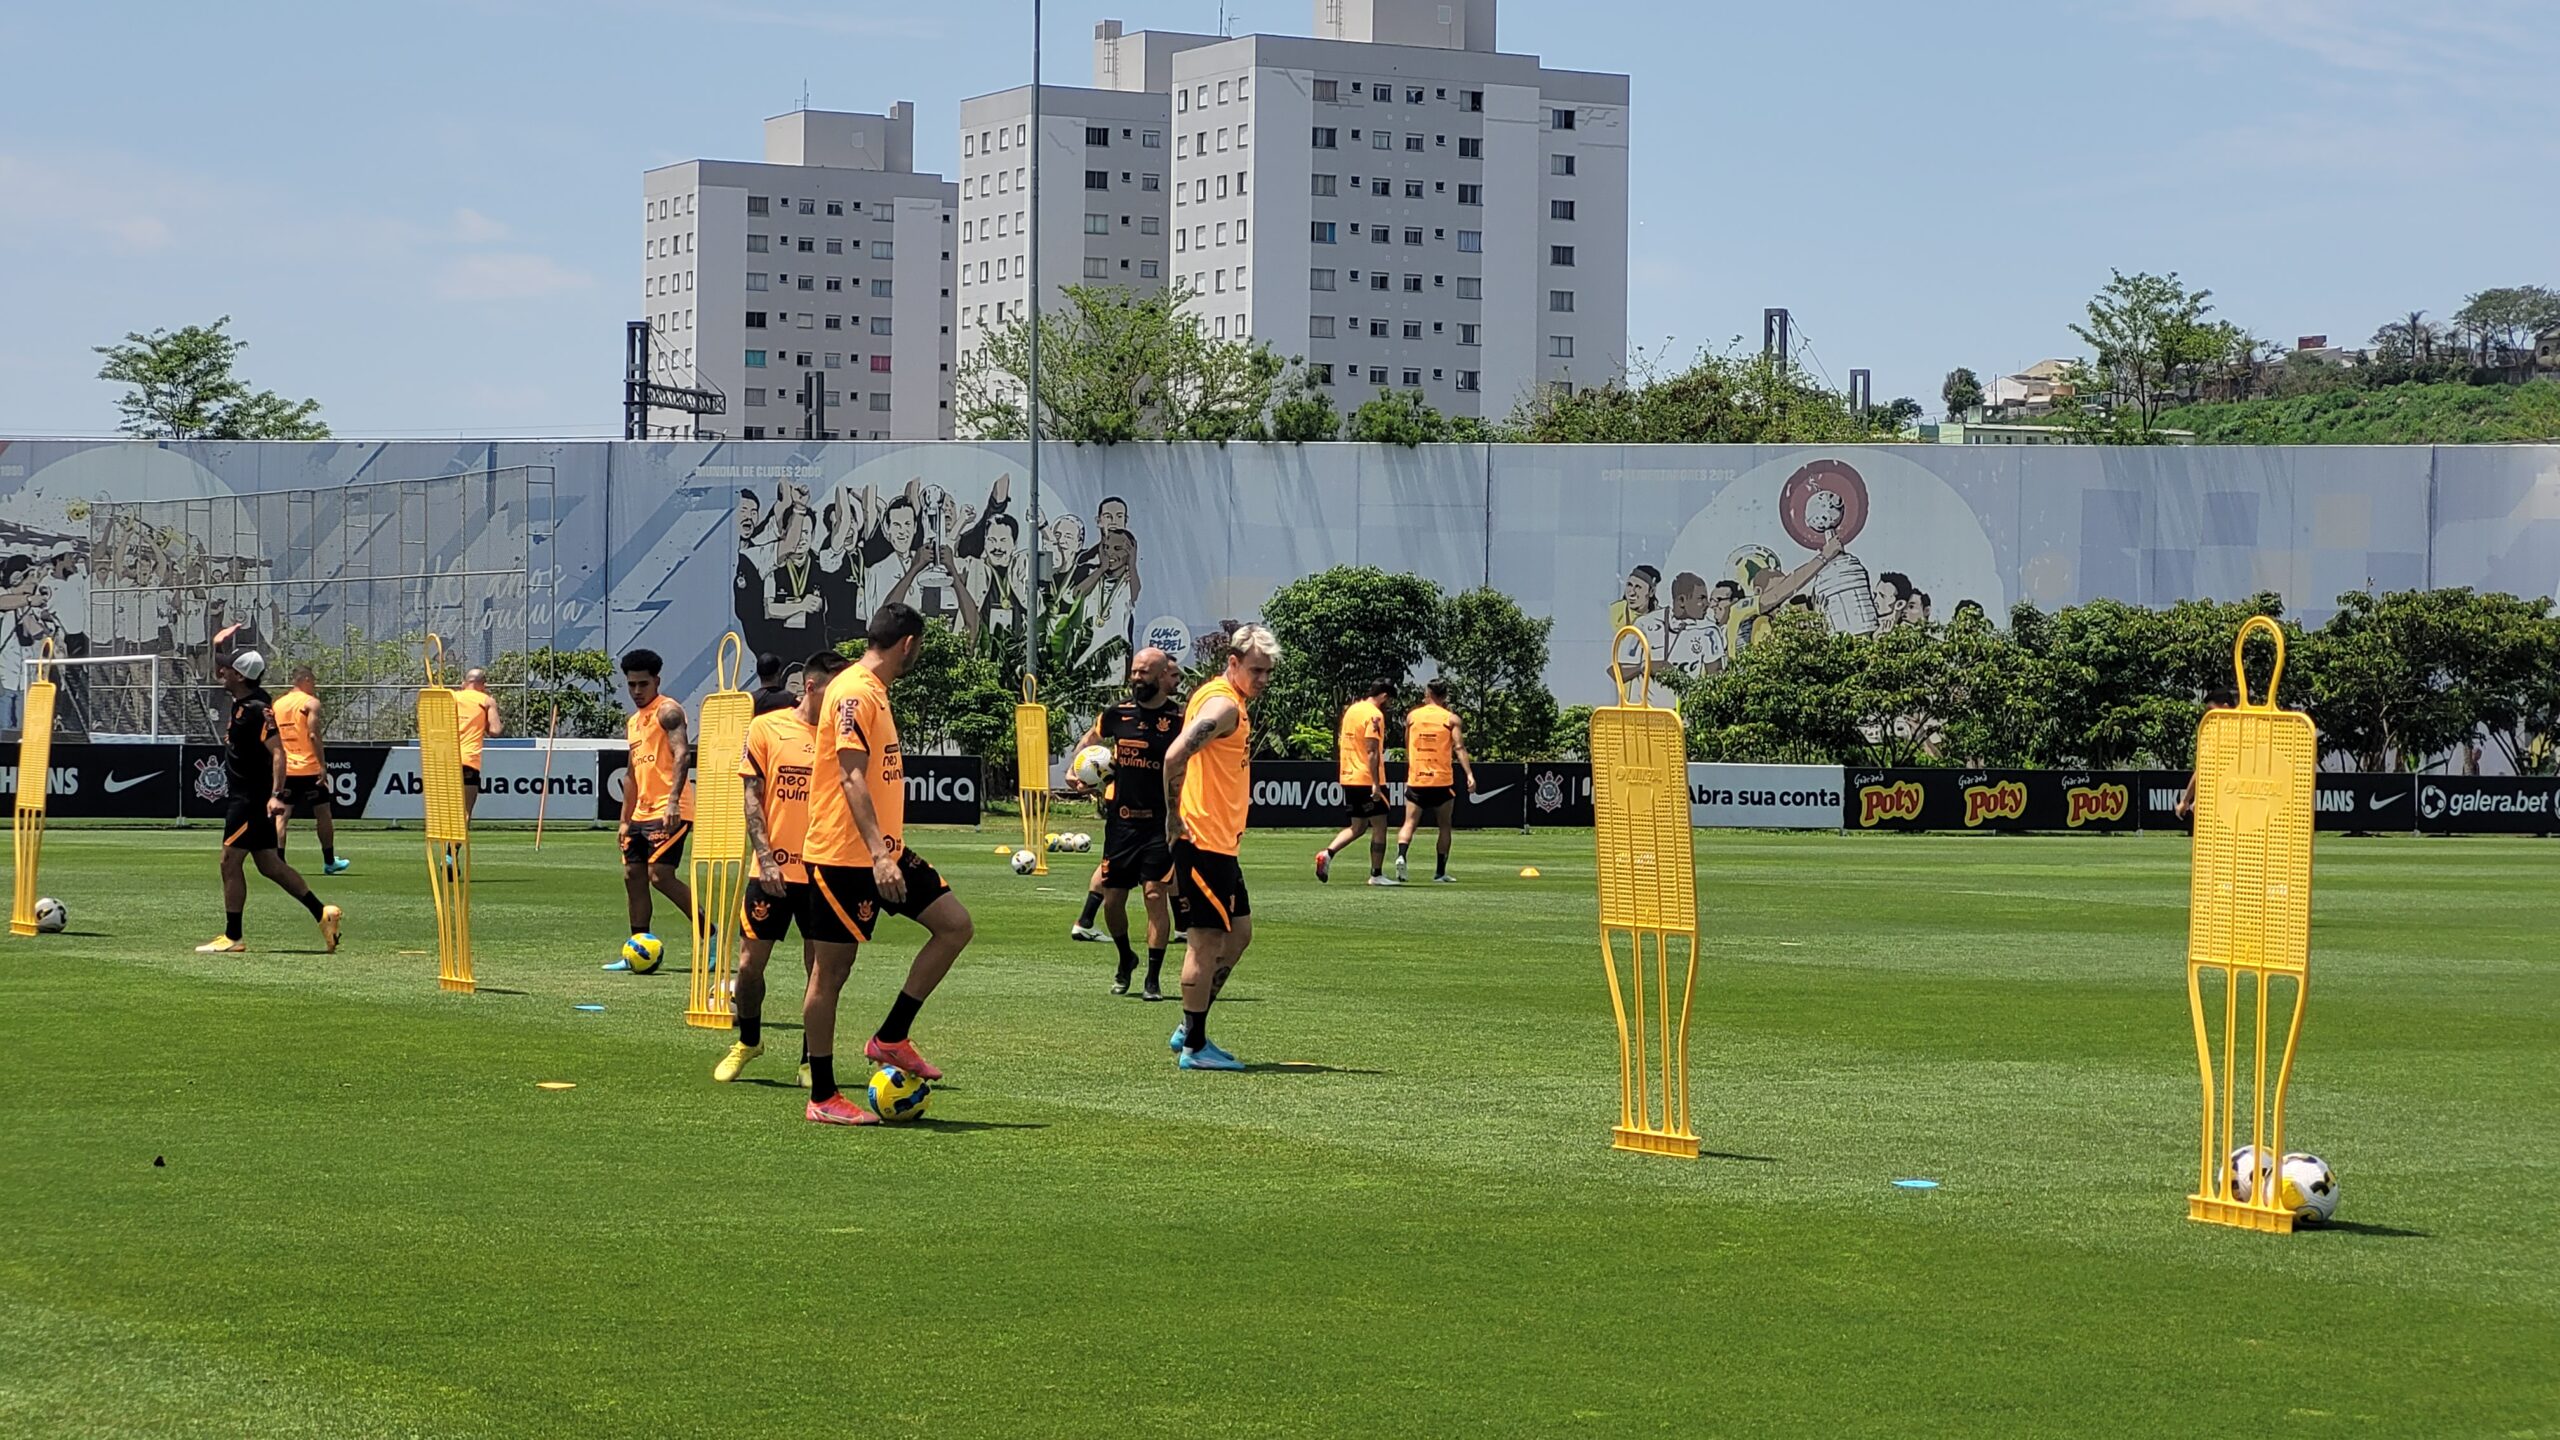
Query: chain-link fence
[348, 580]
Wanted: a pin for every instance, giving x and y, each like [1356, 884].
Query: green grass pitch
[370, 1221]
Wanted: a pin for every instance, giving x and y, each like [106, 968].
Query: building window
[879, 364]
[1413, 189]
[1467, 333]
[1147, 269]
[1320, 232]
[1560, 302]
[1097, 179]
[1319, 279]
[1382, 188]
[1377, 374]
[1150, 225]
[1412, 377]
[1182, 240]
[1413, 234]
[1413, 95]
[835, 207]
[755, 280]
[1327, 90]
[880, 400]
[1559, 209]
[1181, 102]
[1470, 242]
[1413, 284]
[755, 432]
[1470, 194]
[755, 319]
[755, 394]
[879, 324]
[1323, 138]
[759, 205]
[1319, 327]
[833, 359]
[1413, 142]
[1096, 268]
[1467, 379]
[1151, 140]
[835, 322]
[1560, 346]
[1560, 165]
[1470, 148]
[1378, 280]
[755, 359]
[881, 288]
[1381, 140]
[1470, 288]
[808, 282]
[808, 246]
[1097, 136]
[1560, 119]
[1322, 184]
[1471, 101]
[835, 247]
[1377, 329]
[1097, 224]
[883, 250]
[1559, 254]
[759, 244]
[1413, 329]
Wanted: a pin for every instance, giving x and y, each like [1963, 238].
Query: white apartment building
[1394, 199]
[832, 257]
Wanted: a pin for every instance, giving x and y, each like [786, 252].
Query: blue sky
[426, 214]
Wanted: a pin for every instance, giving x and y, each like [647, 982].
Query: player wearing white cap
[258, 787]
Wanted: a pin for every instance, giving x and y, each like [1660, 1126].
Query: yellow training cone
[1531, 873]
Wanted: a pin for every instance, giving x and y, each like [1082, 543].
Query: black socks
[231, 924]
[1092, 907]
[1195, 1029]
[1155, 965]
[310, 902]
[822, 1077]
[902, 1013]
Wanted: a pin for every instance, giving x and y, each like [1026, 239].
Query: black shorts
[302, 791]
[1362, 802]
[847, 904]
[1430, 797]
[1134, 854]
[764, 916]
[470, 777]
[247, 826]
[1208, 889]
[655, 842]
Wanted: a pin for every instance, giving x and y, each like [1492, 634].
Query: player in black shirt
[255, 775]
[1139, 730]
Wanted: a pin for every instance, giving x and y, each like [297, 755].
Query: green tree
[1341, 630]
[954, 698]
[580, 683]
[185, 384]
[2152, 340]
[1397, 417]
[1304, 411]
[1118, 366]
[1725, 398]
[1961, 392]
[1896, 415]
[2503, 322]
[1493, 655]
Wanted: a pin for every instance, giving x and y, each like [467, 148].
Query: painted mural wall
[669, 544]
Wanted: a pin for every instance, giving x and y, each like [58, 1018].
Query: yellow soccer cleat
[223, 945]
[331, 917]
[735, 1061]
[804, 1074]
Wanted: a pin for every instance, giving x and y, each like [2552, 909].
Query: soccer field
[370, 1221]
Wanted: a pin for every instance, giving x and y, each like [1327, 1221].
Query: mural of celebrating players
[1791, 536]
[808, 576]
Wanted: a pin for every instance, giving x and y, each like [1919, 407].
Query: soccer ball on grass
[1024, 862]
[897, 1095]
[50, 916]
[2304, 1183]
[642, 952]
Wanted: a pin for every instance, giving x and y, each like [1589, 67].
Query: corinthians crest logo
[213, 780]
[1547, 793]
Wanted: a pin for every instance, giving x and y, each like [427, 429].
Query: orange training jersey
[855, 717]
[1428, 735]
[1362, 726]
[295, 713]
[653, 764]
[1218, 784]
[473, 708]
[782, 752]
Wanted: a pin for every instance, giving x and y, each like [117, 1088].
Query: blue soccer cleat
[1179, 1030]
[1209, 1057]
[339, 866]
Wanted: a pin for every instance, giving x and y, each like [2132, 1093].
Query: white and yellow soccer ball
[1024, 862]
[51, 916]
[2306, 1186]
[1079, 842]
[1091, 767]
[642, 952]
[2244, 1171]
[897, 1095]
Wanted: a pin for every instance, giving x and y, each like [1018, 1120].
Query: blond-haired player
[1210, 769]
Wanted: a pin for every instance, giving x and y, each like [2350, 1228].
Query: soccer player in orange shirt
[653, 823]
[1210, 767]
[1360, 755]
[781, 757]
[306, 767]
[1433, 739]
[477, 712]
[860, 866]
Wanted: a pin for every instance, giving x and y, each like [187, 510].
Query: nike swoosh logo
[118, 784]
[2377, 802]
[1482, 796]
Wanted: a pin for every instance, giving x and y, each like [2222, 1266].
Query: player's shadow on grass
[1730, 1155]
[2359, 1227]
[1302, 1067]
[930, 1123]
[498, 990]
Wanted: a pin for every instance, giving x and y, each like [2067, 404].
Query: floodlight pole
[1031, 401]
